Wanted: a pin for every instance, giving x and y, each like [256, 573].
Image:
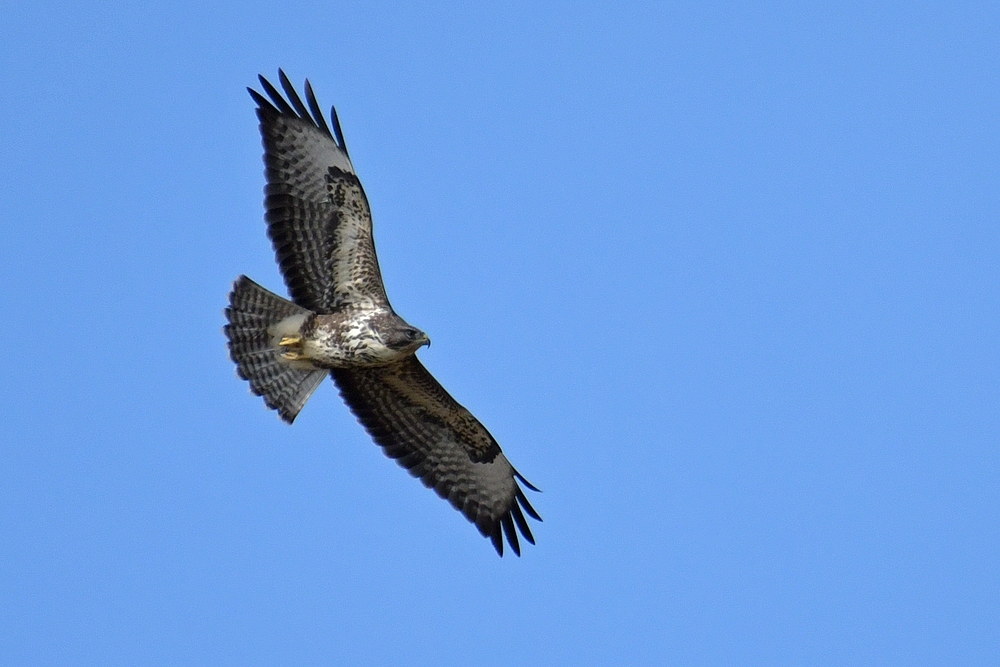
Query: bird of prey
[339, 323]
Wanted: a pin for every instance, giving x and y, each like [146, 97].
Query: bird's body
[339, 322]
[348, 338]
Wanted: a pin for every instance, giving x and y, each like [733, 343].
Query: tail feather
[252, 310]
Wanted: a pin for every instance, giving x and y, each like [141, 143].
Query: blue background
[720, 277]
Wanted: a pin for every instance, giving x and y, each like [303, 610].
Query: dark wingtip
[523, 499]
[497, 541]
[526, 482]
[521, 522]
[276, 97]
[294, 106]
[293, 96]
[337, 131]
[262, 102]
[316, 111]
[508, 529]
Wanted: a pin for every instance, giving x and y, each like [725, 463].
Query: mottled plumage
[339, 322]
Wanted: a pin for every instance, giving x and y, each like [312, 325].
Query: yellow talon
[289, 341]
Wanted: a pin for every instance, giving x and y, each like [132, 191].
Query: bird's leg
[292, 347]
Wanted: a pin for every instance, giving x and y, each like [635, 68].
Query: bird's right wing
[317, 215]
[419, 424]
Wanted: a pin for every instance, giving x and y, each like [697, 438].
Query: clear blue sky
[722, 278]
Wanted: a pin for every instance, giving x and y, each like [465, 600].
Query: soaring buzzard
[339, 322]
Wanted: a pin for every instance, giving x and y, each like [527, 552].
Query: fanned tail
[252, 311]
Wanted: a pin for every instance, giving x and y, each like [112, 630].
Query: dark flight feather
[317, 113]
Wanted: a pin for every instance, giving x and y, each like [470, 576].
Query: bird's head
[405, 338]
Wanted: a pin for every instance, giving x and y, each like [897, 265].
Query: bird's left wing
[419, 424]
[318, 216]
